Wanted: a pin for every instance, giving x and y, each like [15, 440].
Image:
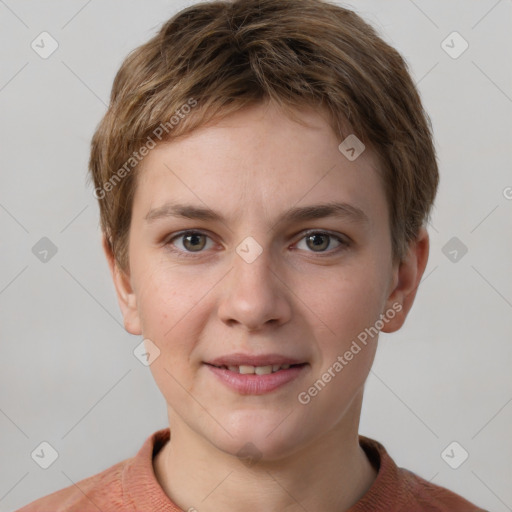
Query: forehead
[259, 159]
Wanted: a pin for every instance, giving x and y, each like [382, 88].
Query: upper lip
[239, 359]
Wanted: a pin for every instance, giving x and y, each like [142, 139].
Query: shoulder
[124, 486]
[399, 490]
[102, 491]
[433, 498]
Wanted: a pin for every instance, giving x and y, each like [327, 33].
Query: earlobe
[409, 274]
[126, 296]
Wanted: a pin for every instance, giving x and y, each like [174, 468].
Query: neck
[330, 474]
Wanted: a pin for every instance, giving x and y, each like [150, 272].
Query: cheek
[174, 313]
[345, 349]
[164, 295]
[166, 308]
[171, 318]
[158, 307]
[350, 303]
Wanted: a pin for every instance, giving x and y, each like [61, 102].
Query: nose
[254, 295]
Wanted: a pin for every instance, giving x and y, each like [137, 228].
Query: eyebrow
[297, 214]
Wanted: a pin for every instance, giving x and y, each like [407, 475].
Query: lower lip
[252, 384]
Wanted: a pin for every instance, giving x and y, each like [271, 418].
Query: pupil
[194, 237]
[317, 240]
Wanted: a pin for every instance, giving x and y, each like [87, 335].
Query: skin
[295, 299]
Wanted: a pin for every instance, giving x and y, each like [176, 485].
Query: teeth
[246, 369]
[258, 370]
[263, 370]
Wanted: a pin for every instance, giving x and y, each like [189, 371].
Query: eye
[320, 241]
[195, 241]
[191, 241]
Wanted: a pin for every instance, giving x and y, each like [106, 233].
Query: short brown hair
[221, 56]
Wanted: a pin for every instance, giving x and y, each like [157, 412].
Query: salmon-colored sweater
[131, 486]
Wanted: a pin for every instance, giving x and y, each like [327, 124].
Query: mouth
[257, 380]
[246, 369]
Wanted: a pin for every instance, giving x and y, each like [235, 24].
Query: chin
[256, 436]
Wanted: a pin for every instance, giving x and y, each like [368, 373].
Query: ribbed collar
[141, 487]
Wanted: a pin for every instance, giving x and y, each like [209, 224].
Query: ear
[407, 278]
[125, 295]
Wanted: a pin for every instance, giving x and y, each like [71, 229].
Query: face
[253, 280]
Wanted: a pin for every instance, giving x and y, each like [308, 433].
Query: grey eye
[191, 241]
[320, 242]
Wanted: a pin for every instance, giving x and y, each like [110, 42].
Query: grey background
[68, 375]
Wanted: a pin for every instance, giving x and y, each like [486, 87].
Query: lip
[252, 384]
[238, 359]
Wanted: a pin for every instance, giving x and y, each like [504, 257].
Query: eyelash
[344, 244]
